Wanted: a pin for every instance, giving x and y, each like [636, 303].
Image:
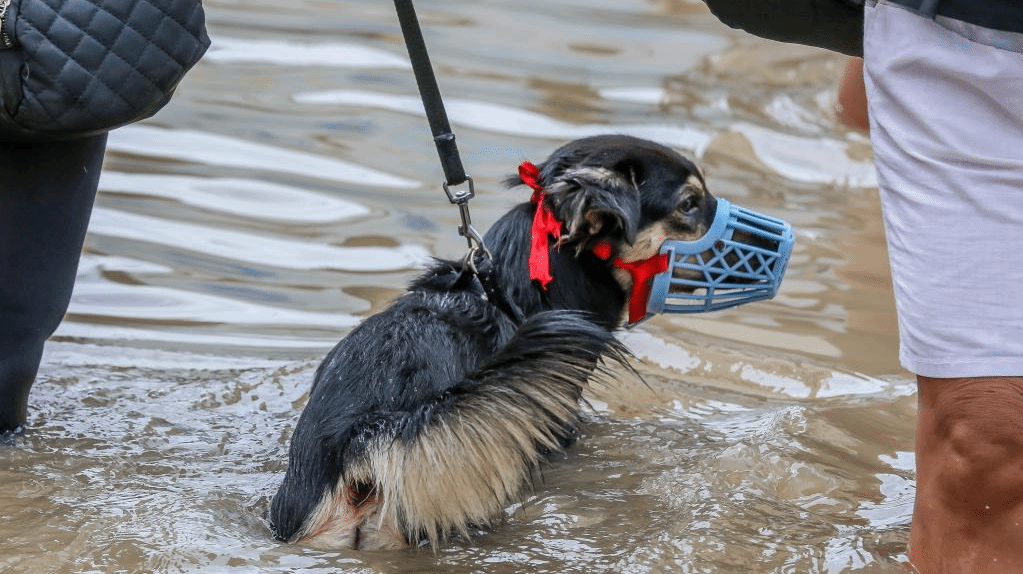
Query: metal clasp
[472, 236]
[457, 197]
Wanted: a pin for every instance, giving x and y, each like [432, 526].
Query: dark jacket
[832, 24]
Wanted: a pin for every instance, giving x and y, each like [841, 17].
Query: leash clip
[472, 236]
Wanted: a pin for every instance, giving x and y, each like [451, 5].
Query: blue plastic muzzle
[740, 259]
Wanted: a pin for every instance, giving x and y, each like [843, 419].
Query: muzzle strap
[544, 225]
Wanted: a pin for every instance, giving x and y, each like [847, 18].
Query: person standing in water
[943, 84]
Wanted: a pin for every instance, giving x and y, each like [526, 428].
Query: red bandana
[544, 225]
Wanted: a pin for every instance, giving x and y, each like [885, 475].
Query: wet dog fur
[430, 417]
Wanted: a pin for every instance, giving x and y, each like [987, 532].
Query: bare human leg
[968, 516]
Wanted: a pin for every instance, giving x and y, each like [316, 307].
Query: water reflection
[253, 248]
[247, 198]
[508, 120]
[217, 150]
[227, 50]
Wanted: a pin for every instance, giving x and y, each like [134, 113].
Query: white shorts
[946, 123]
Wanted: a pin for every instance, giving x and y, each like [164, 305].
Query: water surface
[291, 188]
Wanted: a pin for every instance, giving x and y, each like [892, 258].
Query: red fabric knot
[544, 225]
[642, 280]
[530, 175]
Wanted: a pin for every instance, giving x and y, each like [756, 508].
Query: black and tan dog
[429, 418]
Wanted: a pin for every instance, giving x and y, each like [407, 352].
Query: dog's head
[629, 193]
[632, 217]
[618, 199]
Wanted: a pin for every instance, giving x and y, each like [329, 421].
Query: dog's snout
[755, 240]
[724, 256]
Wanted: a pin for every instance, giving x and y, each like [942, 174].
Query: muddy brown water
[291, 188]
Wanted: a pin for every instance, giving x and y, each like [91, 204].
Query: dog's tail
[459, 460]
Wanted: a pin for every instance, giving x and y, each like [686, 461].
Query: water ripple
[72, 329]
[211, 149]
[227, 50]
[244, 197]
[808, 159]
[503, 119]
[254, 248]
[147, 302]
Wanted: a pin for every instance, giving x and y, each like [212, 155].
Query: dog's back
[416, 427]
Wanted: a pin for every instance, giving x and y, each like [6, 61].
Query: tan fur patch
[695, 183]
[599, 176]
[338, 523]
[648, 241]
[595, 222]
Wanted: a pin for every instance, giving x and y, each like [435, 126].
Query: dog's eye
[689, 204]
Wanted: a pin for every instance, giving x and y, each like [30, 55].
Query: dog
[430, 418]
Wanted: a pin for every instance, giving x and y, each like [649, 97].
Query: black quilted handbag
[71, 68]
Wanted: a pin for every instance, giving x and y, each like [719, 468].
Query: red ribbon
[642, 280]
[544, 225]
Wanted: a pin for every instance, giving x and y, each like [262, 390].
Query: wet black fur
[411, 363]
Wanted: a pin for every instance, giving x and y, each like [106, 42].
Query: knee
[970, 442]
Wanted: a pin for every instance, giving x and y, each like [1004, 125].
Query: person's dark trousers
[46, 195]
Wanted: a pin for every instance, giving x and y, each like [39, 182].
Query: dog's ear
[596, 203]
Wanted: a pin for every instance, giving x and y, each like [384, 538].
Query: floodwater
[291, 188]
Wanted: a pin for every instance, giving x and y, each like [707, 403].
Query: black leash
[454, 173]
[430, 93]
[443, 137]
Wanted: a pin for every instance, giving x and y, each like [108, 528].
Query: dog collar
[546, 224]
[642, 271]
